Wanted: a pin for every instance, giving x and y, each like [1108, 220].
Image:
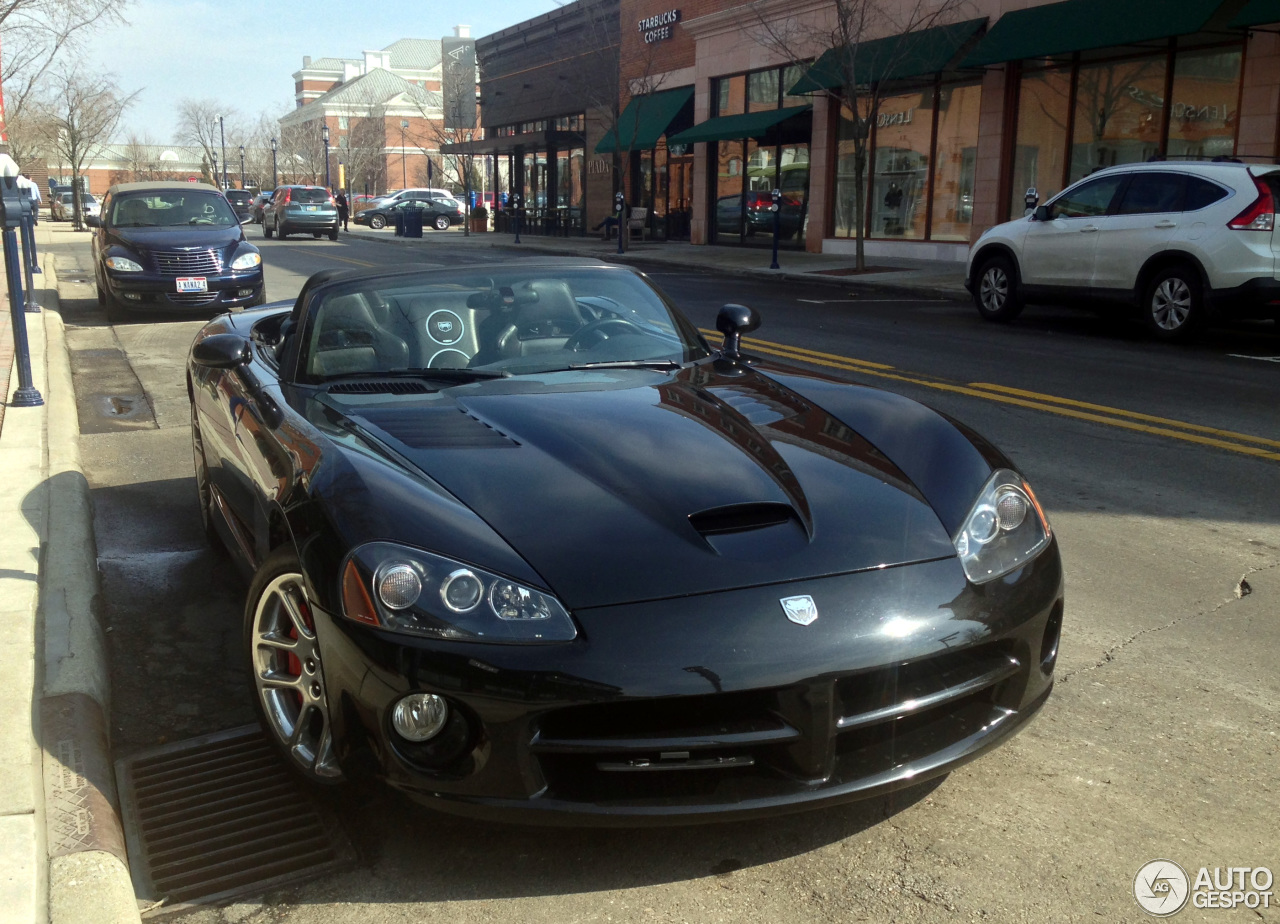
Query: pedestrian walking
[343, 211]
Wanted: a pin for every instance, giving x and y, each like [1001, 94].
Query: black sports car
[524, 544]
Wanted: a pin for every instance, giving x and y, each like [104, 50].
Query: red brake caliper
[295, 665]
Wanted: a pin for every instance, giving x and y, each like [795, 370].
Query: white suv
[1182, 241]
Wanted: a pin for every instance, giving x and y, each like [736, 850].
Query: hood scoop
[433, 428]
[751, 531]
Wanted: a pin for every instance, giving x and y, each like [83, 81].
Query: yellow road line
[1063, 407]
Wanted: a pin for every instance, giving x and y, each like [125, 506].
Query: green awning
[645, 120]
[727, 128]
[911, 54]
[1257, 12]
[1083, 25]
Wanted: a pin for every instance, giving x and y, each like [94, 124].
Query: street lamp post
[222, 134]
[215, 169]
[275, 174]
[404, 161]
[324, 133]
[242, 185]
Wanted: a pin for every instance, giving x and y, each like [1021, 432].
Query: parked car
[437, 213]
[259, 203]
[300, 209]
[413, 193]
[530, 547]
[1182, 242]
[62, 207]
[172, 247]
[241, 203]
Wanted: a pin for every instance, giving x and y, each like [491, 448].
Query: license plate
[192, 284]
[313, 208]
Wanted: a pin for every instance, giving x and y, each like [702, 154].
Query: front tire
[1173, 304]
[996, 293]
[288, 680]
[377, 222]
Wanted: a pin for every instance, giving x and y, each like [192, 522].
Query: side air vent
[435, 428]
[751, 532]
[395, 387]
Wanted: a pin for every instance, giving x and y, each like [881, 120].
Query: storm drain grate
[211, 818]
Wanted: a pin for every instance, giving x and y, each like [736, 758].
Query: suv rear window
[309, 194]
[1201, 193]
[238, 197]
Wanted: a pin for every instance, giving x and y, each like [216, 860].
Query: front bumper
[152, 292]
[709, 708]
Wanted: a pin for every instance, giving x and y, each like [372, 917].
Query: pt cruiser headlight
[418, 593]
[123, 265]
[246, 261]
[1004, 530]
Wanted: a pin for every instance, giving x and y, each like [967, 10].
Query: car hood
[634, 485]
[165, 239]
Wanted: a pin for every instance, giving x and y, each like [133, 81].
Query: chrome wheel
[993, 290]
[1171, 304]
[288, 678]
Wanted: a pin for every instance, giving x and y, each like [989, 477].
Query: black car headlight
[1004, 530]
[407, 590]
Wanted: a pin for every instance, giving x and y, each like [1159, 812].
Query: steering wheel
[599, 331]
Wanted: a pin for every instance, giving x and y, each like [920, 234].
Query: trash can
[412, 221]
[399, 217]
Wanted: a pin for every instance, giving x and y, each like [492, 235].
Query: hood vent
[392, 387]
[739, 518]
[752, 532]
[435, 428]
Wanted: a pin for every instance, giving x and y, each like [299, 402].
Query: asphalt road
[1159, 468]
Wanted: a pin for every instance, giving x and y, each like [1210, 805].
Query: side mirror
[1041, 214]
[222, 351]
[733, 321]
[93, 221]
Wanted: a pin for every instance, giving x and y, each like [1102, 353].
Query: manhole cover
[219, 816]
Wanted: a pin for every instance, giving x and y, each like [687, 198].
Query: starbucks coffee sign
[658, 28]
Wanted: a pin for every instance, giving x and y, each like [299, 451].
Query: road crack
[1241, 589]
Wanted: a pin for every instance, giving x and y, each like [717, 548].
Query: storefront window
[793, 183]
[1117, 114]
[1206, 86]
[728, 202]
[846, 171]
[900, 184]
[762, 91]
[730, 95]
[1043, 99]
[954, 162]
[790, 77]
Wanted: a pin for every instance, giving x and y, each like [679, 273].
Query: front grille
[189, 263]
[724, 748]
[192, 299]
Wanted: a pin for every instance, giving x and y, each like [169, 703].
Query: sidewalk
[923, 278]
[62, 857]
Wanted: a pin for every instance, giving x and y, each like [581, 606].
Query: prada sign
[658, 28]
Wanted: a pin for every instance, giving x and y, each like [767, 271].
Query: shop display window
[955, 158]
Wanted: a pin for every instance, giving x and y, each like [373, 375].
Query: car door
[1146, 220]
[1059, 251]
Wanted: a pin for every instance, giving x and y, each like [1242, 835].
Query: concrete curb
[89, 880]
[843, 282]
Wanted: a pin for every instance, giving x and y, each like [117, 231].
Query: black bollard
[620, 202]
[26, 394]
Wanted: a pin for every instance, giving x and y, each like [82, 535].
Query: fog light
[420, 716]
[133, 296]
[244, 293]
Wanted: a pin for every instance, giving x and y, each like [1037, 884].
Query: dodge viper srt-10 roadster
[524, 544]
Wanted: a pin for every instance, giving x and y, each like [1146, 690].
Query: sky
[244, 52]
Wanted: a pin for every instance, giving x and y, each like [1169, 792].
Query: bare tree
[302, 153]
[36, 33]
[362, 149]
[841, 34]
[198, 125]
[84, 111]
[140, 164]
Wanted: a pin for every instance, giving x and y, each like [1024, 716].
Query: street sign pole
[776, 208]
[12, 200]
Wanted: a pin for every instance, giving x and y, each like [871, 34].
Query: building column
[822, 157]
[994, 122]
[1259, 96]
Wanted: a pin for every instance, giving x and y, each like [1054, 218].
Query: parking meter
[27, 229]
[620, 206]
[1031, 200]
[12, 201]
[776, 209]
[516, 201]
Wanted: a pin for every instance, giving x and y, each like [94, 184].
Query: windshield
[171, 208]
[518, 322]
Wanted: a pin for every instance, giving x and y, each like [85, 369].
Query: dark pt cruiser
[524, 544]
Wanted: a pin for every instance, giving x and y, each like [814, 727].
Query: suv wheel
[266, 228]
[1172, 306]
[996, 293]
[280, 230]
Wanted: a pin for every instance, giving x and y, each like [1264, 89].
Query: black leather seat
[546, 316]
[355, 337]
